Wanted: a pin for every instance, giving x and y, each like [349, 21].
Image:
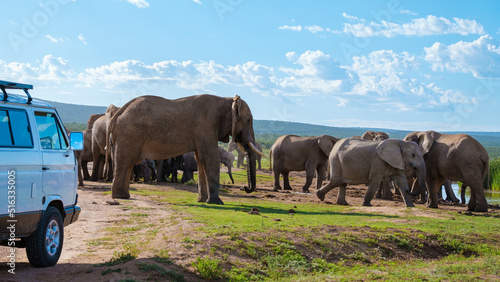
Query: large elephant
[457, 157]
[241, 155]
[227, 159]
[295, 153]
[99, 145]
[357, 161]
[156, 128]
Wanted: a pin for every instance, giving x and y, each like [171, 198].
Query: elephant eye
[412, 155]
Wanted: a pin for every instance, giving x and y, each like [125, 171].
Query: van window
[14, 129]
[51, 134]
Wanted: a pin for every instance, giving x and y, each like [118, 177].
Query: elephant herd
[155, 128]
[423, 161]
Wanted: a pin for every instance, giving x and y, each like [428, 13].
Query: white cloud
[386, 74]
[314, 28]
[57, 40]
[138, 3]
[407, 12]
[197, 2]
[53, 69]
[292, 28]
[431, 25]
[82, 39]
[480, 57]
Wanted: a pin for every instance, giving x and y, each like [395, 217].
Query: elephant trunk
[421, 186]
[251, 170]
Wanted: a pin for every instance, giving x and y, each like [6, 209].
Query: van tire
[44, 246]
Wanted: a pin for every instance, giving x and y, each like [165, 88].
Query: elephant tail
[486, 176]
[271, 159]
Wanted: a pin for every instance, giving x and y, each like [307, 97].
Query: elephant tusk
[241, 147]
[256, 150]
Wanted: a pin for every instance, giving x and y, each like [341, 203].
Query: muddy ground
[84, 248]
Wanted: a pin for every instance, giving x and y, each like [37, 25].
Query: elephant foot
[202, 199]
[216, 201]
[121, 196]
[481, 209]
[387, 197]
[288, 188]
[305, 191]
[411, 205]
[320, 194]
[432, 206]
[367, 204]
[342, 202]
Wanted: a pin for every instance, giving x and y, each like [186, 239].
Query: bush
[495, 174]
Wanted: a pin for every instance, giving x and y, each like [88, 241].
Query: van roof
[18, 99]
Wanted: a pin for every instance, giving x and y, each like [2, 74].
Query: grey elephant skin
[227, 159]
[295, 153]
[85, 156]
[156, 128]
[384, 192]
[99, 133]
[457, 157]
[357, 161]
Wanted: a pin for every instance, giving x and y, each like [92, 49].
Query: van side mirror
[76, 140]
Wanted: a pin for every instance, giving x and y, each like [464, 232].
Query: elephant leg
[370, 192]
[277, 180]
[210, 164]
[286, 181]
[259, 158]
[386, 189]
[402, 182]
[230, 174]
[309, 179]
[202, 180]
[321, 192]
[96, 167]
[159, 171]
[450, 195]
[462, 193]
[378, 195]
[121, 183]
[432, 186]
[80, 177]
[86, 175]
[320, 173]
[341, 196]
[478, 197]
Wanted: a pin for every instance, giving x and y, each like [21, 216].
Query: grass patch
[118, 258]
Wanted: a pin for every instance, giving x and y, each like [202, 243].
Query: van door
[20, 172]
[59, 164]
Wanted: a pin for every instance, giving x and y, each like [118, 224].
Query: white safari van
[38, 177]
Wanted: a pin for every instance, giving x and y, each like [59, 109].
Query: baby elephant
[356, 161]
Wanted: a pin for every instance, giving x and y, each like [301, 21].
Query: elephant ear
[425, 141]
[235, 110]
[390, 152]
[326, 143]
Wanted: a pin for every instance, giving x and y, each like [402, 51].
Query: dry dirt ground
[85, 243]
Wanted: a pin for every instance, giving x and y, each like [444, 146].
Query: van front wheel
[44, 246]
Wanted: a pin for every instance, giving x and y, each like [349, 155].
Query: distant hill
[76, 116]
[72, 113]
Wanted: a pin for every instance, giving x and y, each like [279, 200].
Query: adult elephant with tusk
[156, 128]
[357, 161]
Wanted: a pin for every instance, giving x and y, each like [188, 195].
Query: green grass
[300, 248]
[495, 173]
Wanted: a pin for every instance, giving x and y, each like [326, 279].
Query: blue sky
[413, 65]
